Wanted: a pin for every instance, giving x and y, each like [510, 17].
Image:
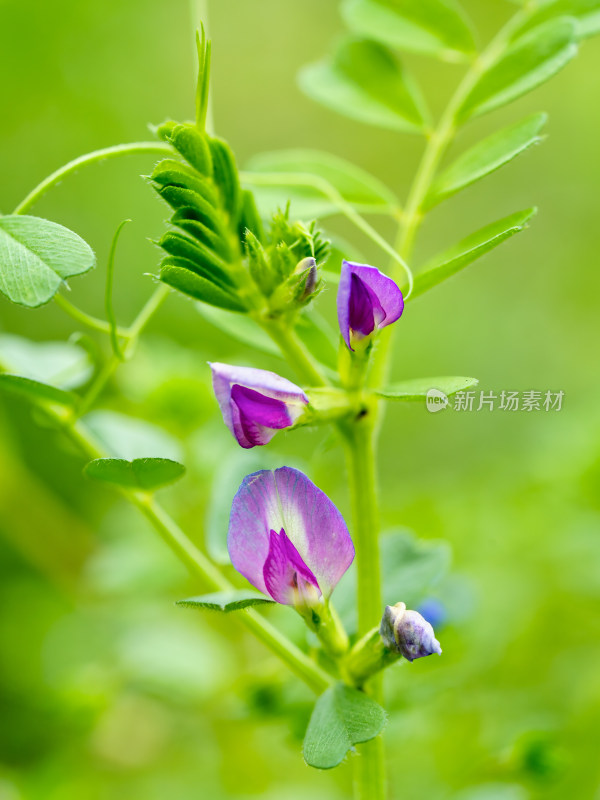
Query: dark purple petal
[367, 299]
[286, 499]
[287, 578]
[256, 417]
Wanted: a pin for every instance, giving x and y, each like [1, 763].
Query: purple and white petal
[287, 500]
[287, 578]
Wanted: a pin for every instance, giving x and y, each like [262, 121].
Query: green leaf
[141, 473]
[342, 718]
[62, 364]
[530, 61]
[242, 328]
[586, 14]
[417, 388]
[486, 157]
[365, 82]
[366, 193]
[227, 601]
[450, 262]
[189, 282]
[131, 438]
[433, 27]
[35, 390]
[37, 256]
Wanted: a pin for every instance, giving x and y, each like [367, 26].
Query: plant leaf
[342, 717]
[185, 280]
[365, 192]
[36, 257]
[62, 364]
[486, 157]
[141, 473]
[531, 60]
[242, 328]
[227, 601]
[434, 27]
[586, 14]
[365, 82]
[417, 388]
[451, 261]
[35, 390]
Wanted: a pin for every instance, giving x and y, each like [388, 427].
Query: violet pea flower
[256, 403]
[287, 538]
[367, 300]
[408, 633]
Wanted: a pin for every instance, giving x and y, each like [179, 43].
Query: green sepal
[259, 266]
[250, 218]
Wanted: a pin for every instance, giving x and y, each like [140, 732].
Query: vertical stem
[369, 777]
[294, 352]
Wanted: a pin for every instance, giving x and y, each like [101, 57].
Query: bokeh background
[109, 691]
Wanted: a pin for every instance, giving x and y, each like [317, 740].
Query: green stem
[83, 161]
[187, 552]
[369, 777]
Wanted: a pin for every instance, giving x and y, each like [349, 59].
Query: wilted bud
[408, 633]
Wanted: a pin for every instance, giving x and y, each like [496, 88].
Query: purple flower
[287, 538]
[408, 633]
[367, 300]
[256, 403]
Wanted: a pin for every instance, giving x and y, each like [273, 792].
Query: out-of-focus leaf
[341, 718]
[486, 157]
[35, 390]
[189, 282]
[141, 473]
[239, 327]
[530, 61]
[473, 247]
[318, 337]
[410, 569]
[365, 192]
[226, 601]
[418, 388]
[364, 81]
[37, 256]
[131, 438]
[61, 364]
[434, 27]
[586, 14]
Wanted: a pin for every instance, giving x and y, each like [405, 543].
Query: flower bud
[408, 633]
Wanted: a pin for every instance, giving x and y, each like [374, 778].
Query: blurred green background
[107, 690]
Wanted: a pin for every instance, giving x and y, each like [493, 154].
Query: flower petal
[269, 501]
[385, 289]
[286, 576]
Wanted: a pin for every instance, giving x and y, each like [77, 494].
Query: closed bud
[307, 268]
[408, 633]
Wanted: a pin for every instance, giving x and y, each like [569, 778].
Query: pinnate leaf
[342, 718]
[37, 256]
[468, 250]
[186, 280]
[586, 14]
[142, 473]
[486, 157]
[62, 364]
[418, 388]
[530, 61]
[226, 601]
[433, 27]
[357, 187]
[365, 82]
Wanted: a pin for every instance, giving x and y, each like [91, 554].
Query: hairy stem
[85, 160]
